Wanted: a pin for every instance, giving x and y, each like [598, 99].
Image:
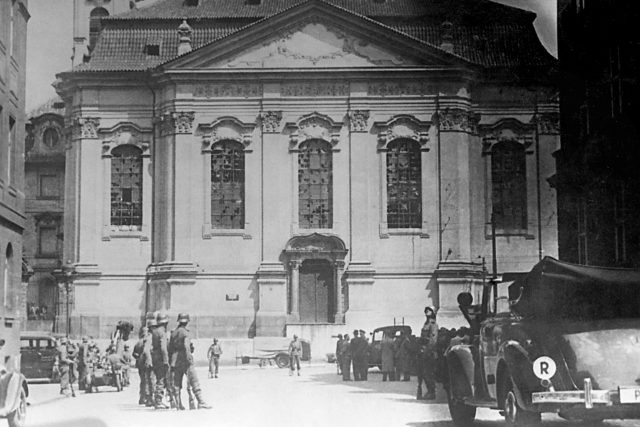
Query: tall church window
[315, 185]
[509, 186]
[227, 185]
[95, 25]
[404, 184]
[126, 187]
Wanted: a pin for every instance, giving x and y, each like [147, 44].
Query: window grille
[404, 185]
[126, 187]
[315, 185]
[509, 186]
[227, 185]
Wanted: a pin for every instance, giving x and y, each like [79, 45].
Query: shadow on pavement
[81, 422]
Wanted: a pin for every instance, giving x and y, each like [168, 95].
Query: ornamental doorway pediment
[315, 35]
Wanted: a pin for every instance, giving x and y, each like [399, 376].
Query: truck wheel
[462, 415]
[18, 418]
[282, 360]
[514, 415]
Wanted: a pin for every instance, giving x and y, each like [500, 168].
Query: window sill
[386, 232]
[227, 232]
[511, 233]
[126, 234]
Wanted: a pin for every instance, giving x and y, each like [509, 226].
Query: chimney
[446, 35]
[184, 32]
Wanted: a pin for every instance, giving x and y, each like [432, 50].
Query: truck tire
[282, 360]
[462, 415]
[18, 418]
[514, 414]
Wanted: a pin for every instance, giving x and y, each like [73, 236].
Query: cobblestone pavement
[248, 396]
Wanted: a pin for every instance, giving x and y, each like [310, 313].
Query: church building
[305, 166]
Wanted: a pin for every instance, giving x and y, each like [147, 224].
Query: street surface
[247, 396]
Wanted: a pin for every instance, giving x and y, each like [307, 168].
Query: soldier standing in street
[182, 363]
[429, 342]
[364, 362]
[140, 358]
[160, 359]
[345, 354]
[65, 366]
[83, 357]
[338, 354]
[213, 354]
[295, 351]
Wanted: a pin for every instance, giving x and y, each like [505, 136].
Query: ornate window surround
[223, 129]
[308, 127]
[126, 133]
[402, 126]
[510, 129]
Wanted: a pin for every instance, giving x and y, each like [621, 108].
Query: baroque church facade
[310, 167]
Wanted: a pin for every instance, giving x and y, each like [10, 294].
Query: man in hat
[140, 358]
[182, 363]
[364, 362]
[429, 342]
[295, 352]
[160, 359]
[345, 354]
[65, 366]
[83, 357]
[213, 354]
[339, 355]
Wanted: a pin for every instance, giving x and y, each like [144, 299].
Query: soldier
[83, 356]
[160, 359]
[65, 366]
[345, 354]
[429, 342]
[364, 362]
[339, 355]
[139, 357]
[357, 355]
[295, 351]
[213, 354]
[182, 363]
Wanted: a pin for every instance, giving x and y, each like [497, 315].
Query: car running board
[482, 403]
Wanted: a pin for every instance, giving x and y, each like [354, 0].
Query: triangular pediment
[314, 35]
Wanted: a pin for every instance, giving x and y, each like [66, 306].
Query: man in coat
[345, 354]
[387, 354]
[160, 359]
[429, 343]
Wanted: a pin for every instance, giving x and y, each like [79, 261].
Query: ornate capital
[457, 120]
[358, 120]
[226, 129]
[509, 129]
[314, 126]
[126, 133]
[176, 122]
[548, 123]
[401, 127]
[271, 121]
[85, 127]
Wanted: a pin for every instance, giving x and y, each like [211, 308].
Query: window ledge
[227, 232]
[386, 232]
[511, 233]
[124, 234]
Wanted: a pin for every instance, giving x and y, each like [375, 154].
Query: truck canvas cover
[555, 289]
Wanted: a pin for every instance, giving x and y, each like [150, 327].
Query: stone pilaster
[272, 294]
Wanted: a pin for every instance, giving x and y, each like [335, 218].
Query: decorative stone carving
[224, 129]
[314, 126]
[403, 126]
[85, 127]
[548, 123]
[125, 133]
[358, 120]
[457, 120]
[315, 89]
[508, 129]
[271, 121]
[388, 88]
[176, 122]
[227, 90]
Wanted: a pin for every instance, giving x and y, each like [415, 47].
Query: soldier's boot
[179, 404]
[201, 403]
[192, 400]
[419, 392]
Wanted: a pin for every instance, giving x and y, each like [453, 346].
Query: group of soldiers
[163, 360]
[353, 352]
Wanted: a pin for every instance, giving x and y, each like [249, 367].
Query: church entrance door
[317, 291]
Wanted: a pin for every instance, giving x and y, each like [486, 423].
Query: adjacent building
[598, 174]
[13, 40]
[310, 167]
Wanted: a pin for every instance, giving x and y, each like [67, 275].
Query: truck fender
[461, 368]
[520, 368]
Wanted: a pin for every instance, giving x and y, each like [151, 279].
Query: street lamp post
[68, 270]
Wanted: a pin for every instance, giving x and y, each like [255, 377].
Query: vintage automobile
[38, 355]
[563, 338]
[375, 356]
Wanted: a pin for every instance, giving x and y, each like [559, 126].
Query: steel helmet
[162, 318]
[183, 318]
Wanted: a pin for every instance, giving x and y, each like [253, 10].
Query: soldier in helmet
[160, 359]
[428, 342]
[182, 363]
[83, 357]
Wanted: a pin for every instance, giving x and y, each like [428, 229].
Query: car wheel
[18, 418]
[282, 360]
[514, 415]
[462, 415]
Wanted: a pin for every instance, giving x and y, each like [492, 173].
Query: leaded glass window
[126, 187]
[315, 185]
[404, 184]
[509, 186]
[227, 185]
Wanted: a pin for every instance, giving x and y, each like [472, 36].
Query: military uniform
[345, 354]
[213, 354]
[160, 361]
[83, 360]
[65, 367]
[295, 352]
[142, 356]
[429, 343]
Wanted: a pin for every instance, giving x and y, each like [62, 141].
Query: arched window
[404, 184]
[50, 137]
[126, 187]
[227, 185]
[315, 184]
[95, 25]
[509, 186]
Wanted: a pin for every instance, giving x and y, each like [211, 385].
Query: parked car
[563, 338]
[375, 356]
[38, 355]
